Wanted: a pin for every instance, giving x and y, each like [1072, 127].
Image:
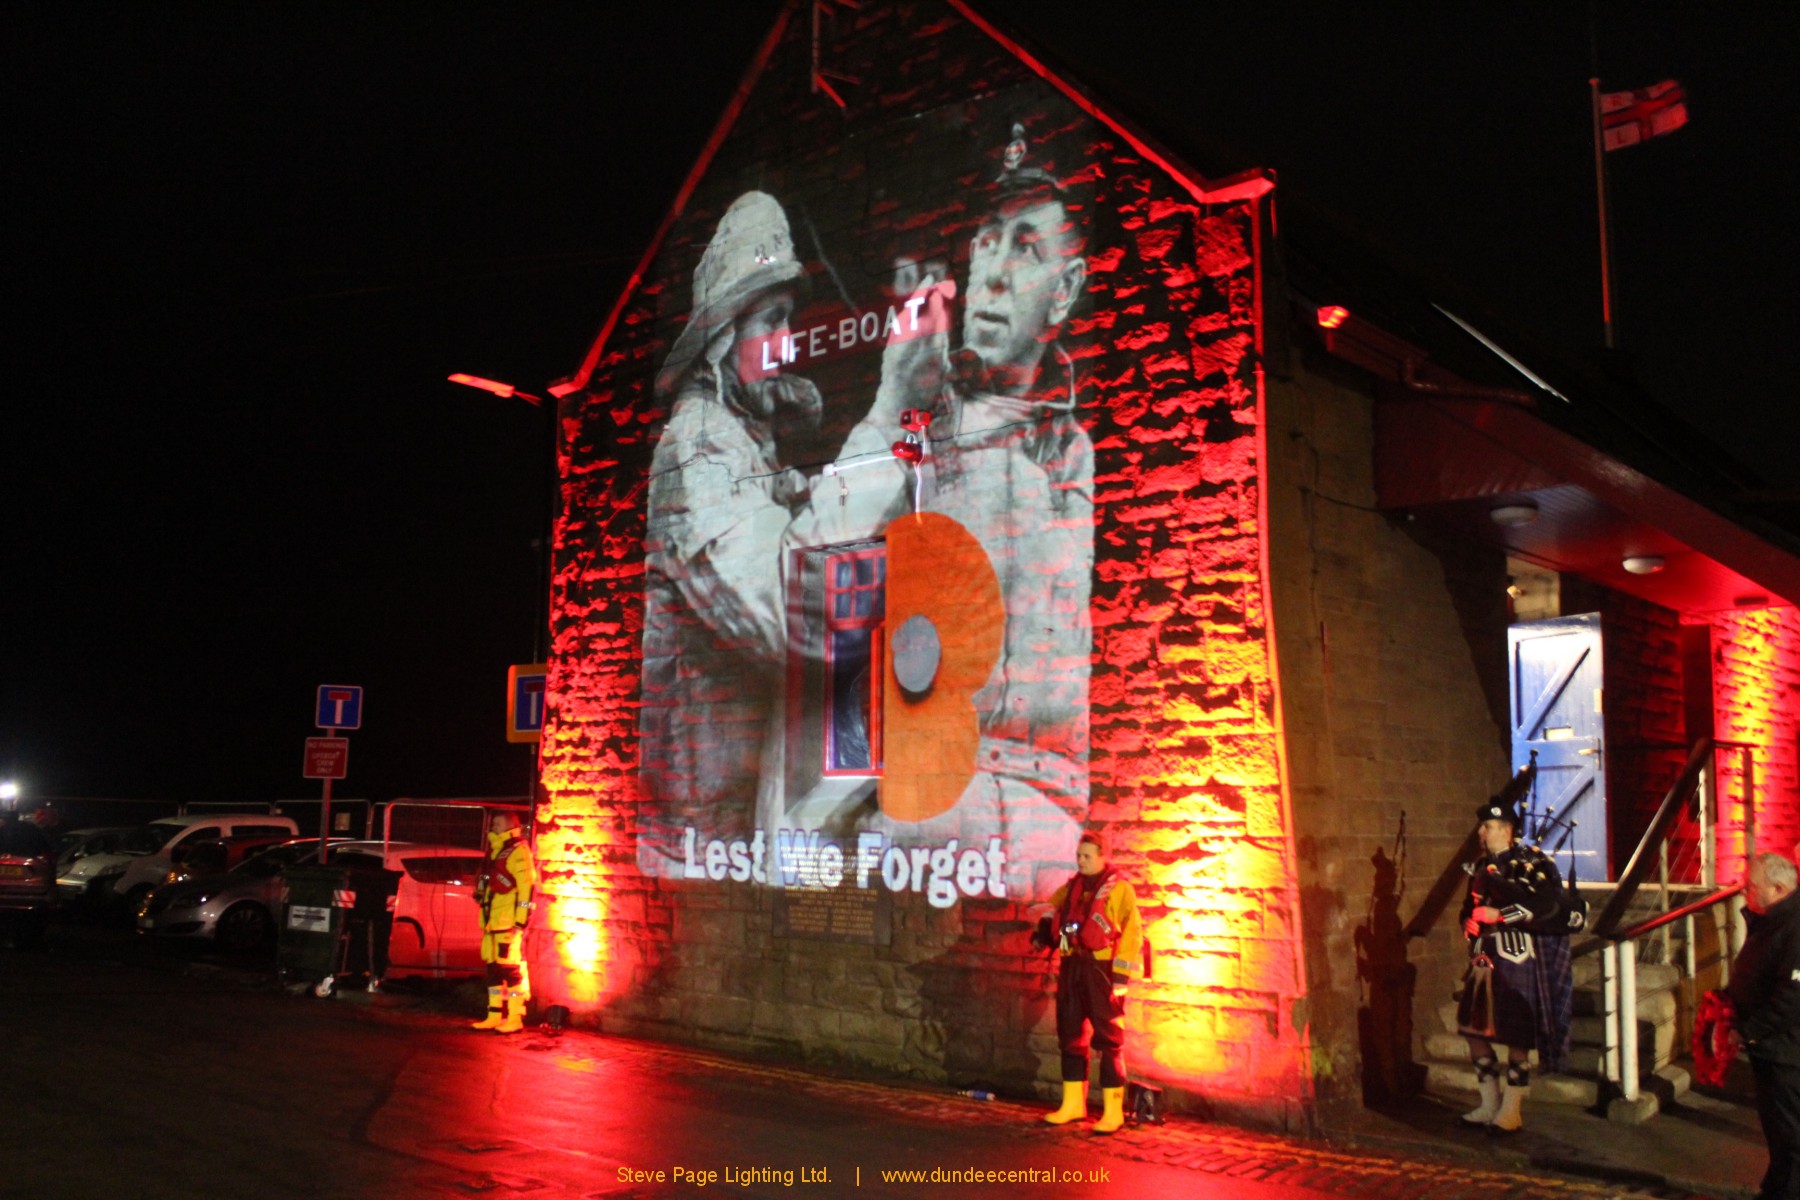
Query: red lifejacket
[1096, 932]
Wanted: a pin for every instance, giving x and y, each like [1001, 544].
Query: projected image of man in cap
[1026, 271]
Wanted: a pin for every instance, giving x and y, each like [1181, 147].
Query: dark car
[27, 880]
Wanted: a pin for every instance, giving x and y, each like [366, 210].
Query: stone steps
[1661, 1039]
[1456, 1083]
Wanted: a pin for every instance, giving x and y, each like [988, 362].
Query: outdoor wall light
[1644, 564]
[1511, 516]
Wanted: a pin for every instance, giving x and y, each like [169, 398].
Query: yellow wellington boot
[515, 1016]
[1074, 1105]
[1112, 1110]
[495, 1011]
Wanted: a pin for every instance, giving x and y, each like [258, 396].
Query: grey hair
[1778, 870]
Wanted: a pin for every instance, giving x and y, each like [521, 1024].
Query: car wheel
[244, 928]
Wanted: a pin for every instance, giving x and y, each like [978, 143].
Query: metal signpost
[339, 707]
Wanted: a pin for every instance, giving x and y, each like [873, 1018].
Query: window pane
[848, 686]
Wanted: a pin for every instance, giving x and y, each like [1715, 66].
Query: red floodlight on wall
[1333, 315]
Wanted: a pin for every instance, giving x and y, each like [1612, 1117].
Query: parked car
[235, 910]
[151, 846]
[87, 881]
[87, 862]
[437, 925]
[27, 880]
[215, 856]
[83, 843]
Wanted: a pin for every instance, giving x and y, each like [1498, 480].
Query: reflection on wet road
[143, 1076]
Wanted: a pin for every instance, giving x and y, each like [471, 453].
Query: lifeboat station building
[962, 470]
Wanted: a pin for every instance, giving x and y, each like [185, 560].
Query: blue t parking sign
[340, 707]
[525, 701]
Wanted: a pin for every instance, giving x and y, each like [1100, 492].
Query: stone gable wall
[1391, 737]
[1185, 764]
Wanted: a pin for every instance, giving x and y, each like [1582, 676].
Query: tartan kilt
[1514, 993]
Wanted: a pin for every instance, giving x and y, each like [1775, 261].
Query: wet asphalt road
[133, 1075]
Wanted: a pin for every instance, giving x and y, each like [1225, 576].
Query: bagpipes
[1714, 1046]
[1574, 904]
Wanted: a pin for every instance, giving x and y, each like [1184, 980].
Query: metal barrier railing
[1618, 947]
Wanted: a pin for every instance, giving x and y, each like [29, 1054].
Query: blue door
[1557, 711]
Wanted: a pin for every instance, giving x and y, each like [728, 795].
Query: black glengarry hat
[1499, 808]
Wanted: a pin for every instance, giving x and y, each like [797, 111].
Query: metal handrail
[1618, 947]
[1670, 917]
[1641, 859]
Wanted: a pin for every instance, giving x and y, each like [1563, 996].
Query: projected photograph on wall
[870, 535]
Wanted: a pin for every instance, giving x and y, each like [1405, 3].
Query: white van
[149, 845]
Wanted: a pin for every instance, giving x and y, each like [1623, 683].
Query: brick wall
[1185, 766]
[1756, 691]
[1391, 655]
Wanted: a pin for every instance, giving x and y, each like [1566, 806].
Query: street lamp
[505, 391]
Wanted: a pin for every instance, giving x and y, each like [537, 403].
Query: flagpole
[1606, 284]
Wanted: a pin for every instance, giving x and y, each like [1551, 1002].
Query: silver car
[89, 861]
[236, 910]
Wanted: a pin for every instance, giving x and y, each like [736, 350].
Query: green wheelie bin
[315, 903]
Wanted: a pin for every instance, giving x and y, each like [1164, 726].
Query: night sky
[249, 242]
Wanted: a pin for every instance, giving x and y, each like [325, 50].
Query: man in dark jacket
[1765, 999]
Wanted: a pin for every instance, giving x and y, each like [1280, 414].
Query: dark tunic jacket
[1765, 985]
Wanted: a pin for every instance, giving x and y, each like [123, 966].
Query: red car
[27, 880]
[427, 894]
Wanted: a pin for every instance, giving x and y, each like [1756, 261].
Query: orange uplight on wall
[583, 952]
[1332, 315]
[1756, 664]
[571, 956]
[1192, 743]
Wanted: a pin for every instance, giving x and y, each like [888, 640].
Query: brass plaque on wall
[842, 914]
